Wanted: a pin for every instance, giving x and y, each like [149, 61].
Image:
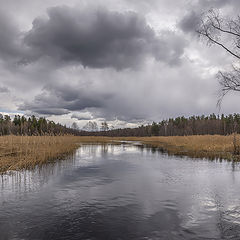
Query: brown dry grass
[18, 152]
[209, 146]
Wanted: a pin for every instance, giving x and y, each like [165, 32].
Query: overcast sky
[124, 61]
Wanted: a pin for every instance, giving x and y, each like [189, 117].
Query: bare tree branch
[226, 34]
[212, 27]
[229, 81]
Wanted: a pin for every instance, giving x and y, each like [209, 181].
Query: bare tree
[104, 126]
[91, 127]
[225, 33]
[229, 81]
[74, 126]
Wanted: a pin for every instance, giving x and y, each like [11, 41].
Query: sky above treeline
[128, 62]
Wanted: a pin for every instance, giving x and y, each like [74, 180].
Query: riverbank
[23, 152]
[200, 146]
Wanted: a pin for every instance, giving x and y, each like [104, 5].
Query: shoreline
[195, 146]
[25, 152]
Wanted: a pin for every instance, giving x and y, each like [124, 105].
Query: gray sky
[125, 61]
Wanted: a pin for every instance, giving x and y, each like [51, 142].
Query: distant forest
[180, 126]
[31, 126]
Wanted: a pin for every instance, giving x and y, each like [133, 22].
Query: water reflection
[122, 192]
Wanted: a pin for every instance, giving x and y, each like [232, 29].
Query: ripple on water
[122, 192]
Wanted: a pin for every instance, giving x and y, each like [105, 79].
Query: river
[127, 191]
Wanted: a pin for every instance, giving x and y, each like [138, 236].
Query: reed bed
[17, 152]
[208, 146]
[24, 152]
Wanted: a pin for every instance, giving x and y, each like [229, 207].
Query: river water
[122, 192]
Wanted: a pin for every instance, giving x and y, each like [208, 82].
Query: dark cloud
[50, 111]
[9, 35]
[82, 116]
[4, 89]
[134, 37]
[191, 19]
[190, 22]
[99, 38]
[114, 112]
[172, 51]
[218, 3]
[61, 99]
[13, 51]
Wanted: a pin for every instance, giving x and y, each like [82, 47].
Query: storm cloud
[190, 22]
[129, 62]
[9, 38]
[61, 99]
[218, 3]
[100, 38]
[191, 19]
[82, 116]
[4, 89]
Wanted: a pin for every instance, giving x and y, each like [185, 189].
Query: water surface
[122, 192]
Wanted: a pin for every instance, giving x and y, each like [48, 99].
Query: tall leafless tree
[225, 33]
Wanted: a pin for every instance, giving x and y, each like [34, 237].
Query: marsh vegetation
[24, 152]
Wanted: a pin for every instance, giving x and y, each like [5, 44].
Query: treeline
[180, 126]
[20, 125]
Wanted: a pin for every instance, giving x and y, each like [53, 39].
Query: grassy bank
[208, 146]
[18, 152]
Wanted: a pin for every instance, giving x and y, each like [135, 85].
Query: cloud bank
[134, 61]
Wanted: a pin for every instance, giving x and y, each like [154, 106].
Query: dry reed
[209, 146]
[18, 152]
[24, 152]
